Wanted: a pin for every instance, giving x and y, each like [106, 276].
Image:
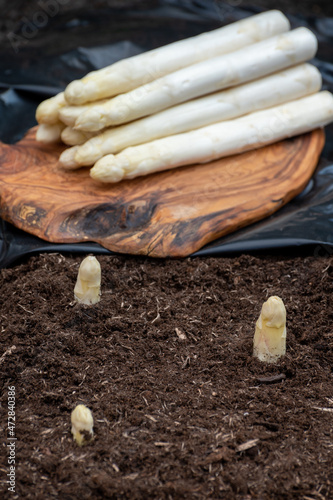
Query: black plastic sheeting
[39, 65]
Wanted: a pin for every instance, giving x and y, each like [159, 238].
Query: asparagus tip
[108, 169]
[82, 424]
[269, 342]
[67, 159]
[88, 284]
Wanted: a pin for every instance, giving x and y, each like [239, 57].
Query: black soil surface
[164, 361]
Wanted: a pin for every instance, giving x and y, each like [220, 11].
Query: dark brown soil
[174, 417]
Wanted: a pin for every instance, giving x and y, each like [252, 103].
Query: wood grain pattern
[171, 213]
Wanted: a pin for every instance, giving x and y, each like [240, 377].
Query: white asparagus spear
[269, 342]
[218, 140]
[69, 114]
[269, 91]
[135, 71]
[73, 137]
[229, 70]
[48, 111]
[67, 158]
[49, 133]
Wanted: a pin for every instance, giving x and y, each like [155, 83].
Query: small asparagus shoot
[269, 342]
[82, 424]
[88, 284]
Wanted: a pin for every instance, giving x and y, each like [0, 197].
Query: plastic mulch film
[68, 46]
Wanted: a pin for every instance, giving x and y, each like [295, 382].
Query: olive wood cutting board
[171, 213]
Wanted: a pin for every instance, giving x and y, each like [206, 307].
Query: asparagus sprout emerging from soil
[269, 342]
[82, 424]
[88, 284]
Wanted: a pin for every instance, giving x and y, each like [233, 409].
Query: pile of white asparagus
[231, 90]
